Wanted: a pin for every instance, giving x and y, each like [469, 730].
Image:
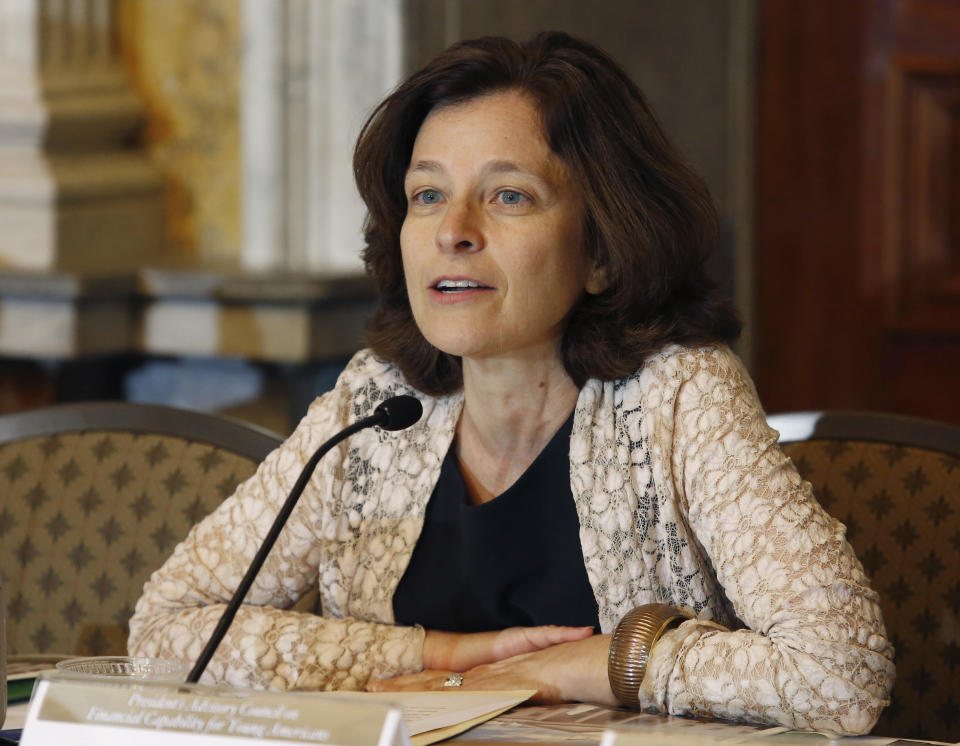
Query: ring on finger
[454, 679]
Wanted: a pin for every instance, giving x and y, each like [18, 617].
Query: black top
[515, 560]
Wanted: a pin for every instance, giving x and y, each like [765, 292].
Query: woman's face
[491, 242]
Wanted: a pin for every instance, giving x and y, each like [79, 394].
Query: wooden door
[858, 206]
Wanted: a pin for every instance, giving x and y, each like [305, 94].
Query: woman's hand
[565, 672]
[454, 651]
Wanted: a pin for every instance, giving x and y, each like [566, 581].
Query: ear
[597, 280]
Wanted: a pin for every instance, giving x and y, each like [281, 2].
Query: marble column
[76, 192]
[312, 71]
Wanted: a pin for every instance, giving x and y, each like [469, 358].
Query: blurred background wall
[178, 223]
[184, 61]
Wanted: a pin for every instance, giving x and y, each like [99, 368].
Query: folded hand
[457, 651]
[561, 672]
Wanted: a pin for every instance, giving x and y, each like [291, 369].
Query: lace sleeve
[267, 646]
[815, 655]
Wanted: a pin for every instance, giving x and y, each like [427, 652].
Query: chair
[93, 498]
[895, 482]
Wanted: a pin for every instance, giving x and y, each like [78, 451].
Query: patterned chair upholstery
[895, 482]
[93, 498]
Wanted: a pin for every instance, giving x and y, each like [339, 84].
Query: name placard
[65, 709]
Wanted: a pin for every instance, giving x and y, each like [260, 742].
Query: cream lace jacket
[683, 497]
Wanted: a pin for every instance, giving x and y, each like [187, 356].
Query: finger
[520, 640]
[507, 675]
[545, 636]
[395, 684]
[414, 682]
[571, 634]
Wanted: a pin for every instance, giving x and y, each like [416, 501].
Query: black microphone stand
[405, 411]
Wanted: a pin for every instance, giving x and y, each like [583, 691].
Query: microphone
[396, 413]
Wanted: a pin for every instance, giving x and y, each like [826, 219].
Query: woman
[589, 444]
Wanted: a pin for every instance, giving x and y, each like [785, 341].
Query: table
[582, 725]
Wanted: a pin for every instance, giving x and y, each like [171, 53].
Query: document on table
[434, 716]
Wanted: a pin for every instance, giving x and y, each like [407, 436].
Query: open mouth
[458, 286]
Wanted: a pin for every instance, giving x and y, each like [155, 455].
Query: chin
[456, 346]
[457, 350]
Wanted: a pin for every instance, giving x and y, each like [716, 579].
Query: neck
[512, 408]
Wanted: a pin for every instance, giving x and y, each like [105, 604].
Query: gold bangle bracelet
[633, 639]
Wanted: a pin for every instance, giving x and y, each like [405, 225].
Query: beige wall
[184, 59]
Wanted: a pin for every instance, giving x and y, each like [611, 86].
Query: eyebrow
[425, 167]
[493, 167]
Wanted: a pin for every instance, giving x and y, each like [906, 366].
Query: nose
[459, 230]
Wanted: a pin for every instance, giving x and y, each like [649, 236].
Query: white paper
[426, 711]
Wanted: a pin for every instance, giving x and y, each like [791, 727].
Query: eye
[510, 197]
[428, 197]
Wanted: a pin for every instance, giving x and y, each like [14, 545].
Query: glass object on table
[124, 666]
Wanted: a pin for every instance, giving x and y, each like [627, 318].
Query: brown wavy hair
[649, 218]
